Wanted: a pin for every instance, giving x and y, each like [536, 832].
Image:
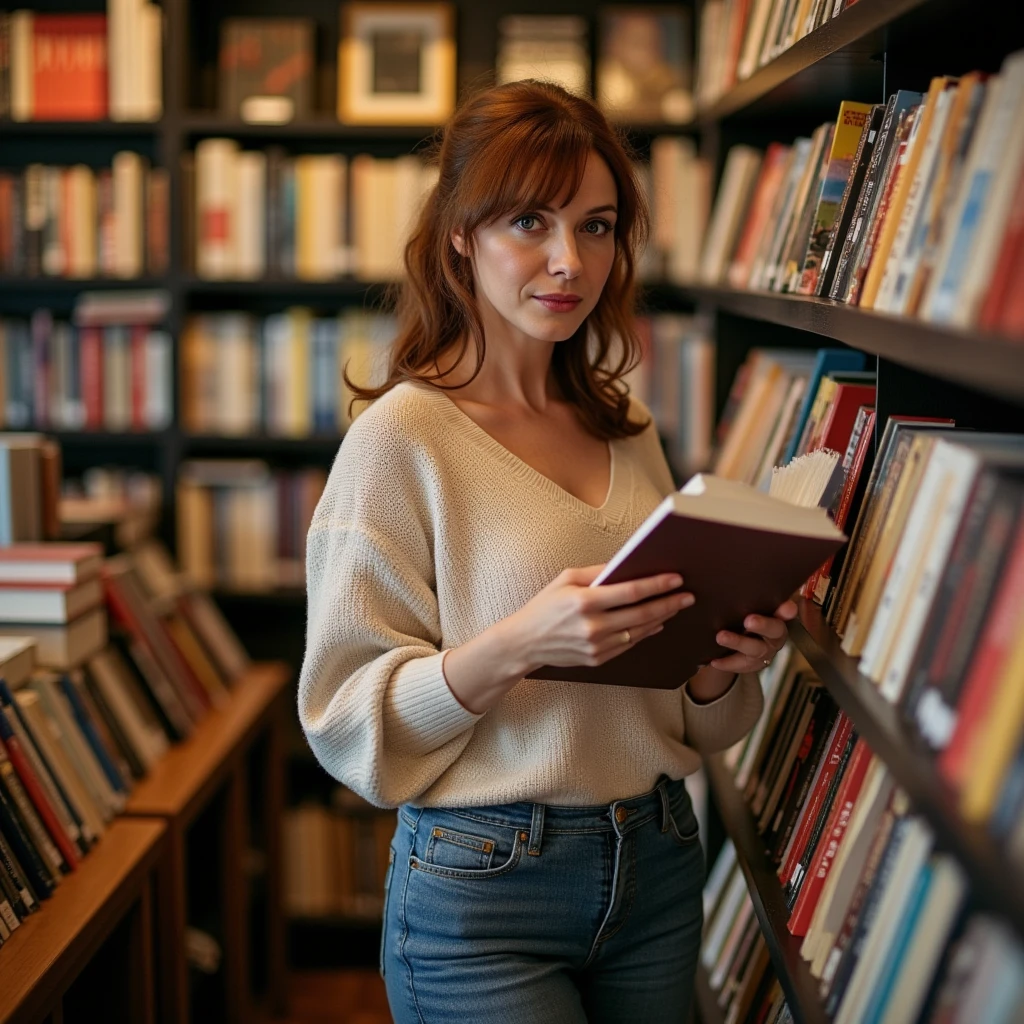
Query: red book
[837, 425]
[50, 563]
[809, 815]
[1010, 254]
[69, 67]
[34, 788]
[1001, 631]
[831, 839]
[90, 341]
[765, 191]
[137, 358]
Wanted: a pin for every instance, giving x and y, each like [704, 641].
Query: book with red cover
[738, 550]
[50, 563]
[828, 766]
[1009, 259]
[69, 67]
[842, 811]
[837, 426]
[993, 649]
[34, 789]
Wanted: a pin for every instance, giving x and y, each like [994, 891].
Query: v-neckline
[611, 509]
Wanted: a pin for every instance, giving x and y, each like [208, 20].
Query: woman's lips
[559, 303]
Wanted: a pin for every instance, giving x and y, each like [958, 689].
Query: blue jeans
[545, 915]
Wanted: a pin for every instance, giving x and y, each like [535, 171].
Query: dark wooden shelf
[316, 127]
[290, 596]
[10, 282]
[345, 291]
[708, 1010]
[318, 445]
[994, 880]
[766, 893]
[16, 128]
[983, 361]
[110, 437]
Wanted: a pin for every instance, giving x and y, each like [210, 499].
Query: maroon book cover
[732, 571]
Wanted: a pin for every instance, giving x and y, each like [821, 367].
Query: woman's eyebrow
[602, 209]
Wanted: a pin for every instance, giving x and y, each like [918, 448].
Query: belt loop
[536, 830]
[665, 812]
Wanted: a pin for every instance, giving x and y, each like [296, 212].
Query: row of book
[82, 222]
[734, 952]
[912, 207]
[82, 66]
[881, 913]
[927, 594]
[736, 37]
[281, 375]
[336, 858]
[84, 715]
[675, 379]
[242, 526]
[55, 375]
[254, 213]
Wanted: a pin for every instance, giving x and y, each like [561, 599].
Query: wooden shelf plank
[16, 128]
[343, 290]
[19, 283]
[994, 880]
[986, 362]
[766, 893]
[51, 946]
[325, 445]
[316, 127]
[190, 771]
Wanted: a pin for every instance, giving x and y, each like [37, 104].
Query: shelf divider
[993, 878]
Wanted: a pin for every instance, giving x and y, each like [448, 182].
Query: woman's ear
[459, 242]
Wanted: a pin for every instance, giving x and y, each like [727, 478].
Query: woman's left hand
[756, 652]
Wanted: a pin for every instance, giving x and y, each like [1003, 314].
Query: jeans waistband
[620, 816]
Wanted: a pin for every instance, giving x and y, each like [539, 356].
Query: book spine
[23, 900]
[15, 831]
[28, 815]
[85, 723]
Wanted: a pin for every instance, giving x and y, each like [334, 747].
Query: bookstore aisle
[201, 219]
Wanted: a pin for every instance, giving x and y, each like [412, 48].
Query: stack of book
[734, 953]
[281, 375]
[109, 368]
[82, 67]
[52, 592]
[80, 222]
[911, 207]
[675, 379]
[736, 39]
[252, 214]
[336, 858]
[876, 906]
[242, 527]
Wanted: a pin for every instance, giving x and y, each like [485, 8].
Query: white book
[128, 214]
[159, 373]
[715, 936]
[150, 66]
[216, 192]
[719, 876]
[895, 898]
[250, 240]
[738, 179]
[234, 373]
[756, 26]
[21, 58]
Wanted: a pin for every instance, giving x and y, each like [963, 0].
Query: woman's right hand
[571, 623]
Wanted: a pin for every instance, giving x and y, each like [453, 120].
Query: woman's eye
[527, 222]
[597, 227]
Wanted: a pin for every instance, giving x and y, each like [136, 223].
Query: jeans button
[621, 814]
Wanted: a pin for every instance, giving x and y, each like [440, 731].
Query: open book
[739, 551]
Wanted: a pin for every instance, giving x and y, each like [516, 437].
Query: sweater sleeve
[718, 725]
[373, 700]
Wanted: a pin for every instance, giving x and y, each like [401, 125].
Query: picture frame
[396, 63]
[644, 67]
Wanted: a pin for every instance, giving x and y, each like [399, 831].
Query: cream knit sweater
[428, 532]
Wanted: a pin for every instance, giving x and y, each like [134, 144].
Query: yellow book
[996, 740]
[915, 147]
[822, 400]
[298, 403]
[882, 553]
[305, 218]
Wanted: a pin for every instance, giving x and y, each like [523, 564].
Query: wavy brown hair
[514, 148]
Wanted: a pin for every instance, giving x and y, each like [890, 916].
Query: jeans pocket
[682, 822]
[467, 858]
[387, 900]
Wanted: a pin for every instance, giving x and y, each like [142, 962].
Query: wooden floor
[336, 997]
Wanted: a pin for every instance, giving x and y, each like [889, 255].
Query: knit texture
[428, 532]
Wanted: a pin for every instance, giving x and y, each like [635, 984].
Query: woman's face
[543, 270]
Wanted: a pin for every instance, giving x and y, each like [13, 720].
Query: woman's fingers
[616, 595]
[763, 625]
[751, 646]
[732, 663]
[649, 613]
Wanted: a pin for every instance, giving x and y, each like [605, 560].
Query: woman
[546, 865]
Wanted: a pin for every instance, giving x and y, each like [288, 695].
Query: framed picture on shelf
[396, 63]
[644, 65]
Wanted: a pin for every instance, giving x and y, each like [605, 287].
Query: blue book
[84, 721]
[886, 980]
[828, 361]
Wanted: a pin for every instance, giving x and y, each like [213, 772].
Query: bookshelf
[94, 938]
